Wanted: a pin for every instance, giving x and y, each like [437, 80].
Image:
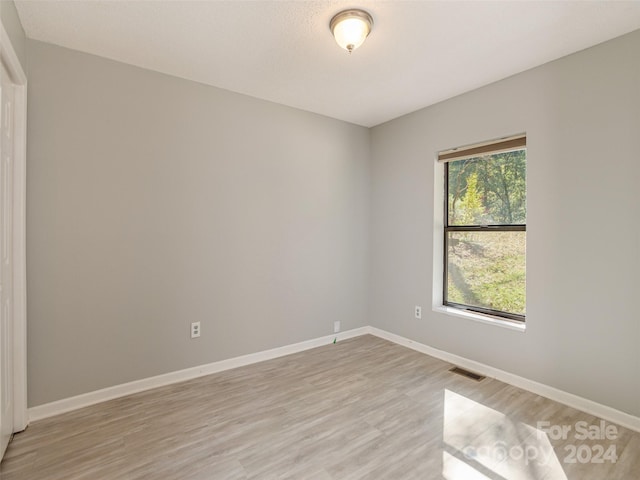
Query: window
[485, 216]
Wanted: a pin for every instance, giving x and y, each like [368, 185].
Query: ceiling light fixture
[350, 28]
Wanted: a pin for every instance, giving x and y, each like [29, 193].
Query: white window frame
[438, 305]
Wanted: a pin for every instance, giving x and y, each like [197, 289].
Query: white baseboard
[588, 406]
[68, 404]
[91, 398]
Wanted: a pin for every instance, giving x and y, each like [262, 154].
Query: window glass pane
[488, 190]
[487, 269]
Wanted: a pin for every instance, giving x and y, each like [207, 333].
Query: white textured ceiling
[419, 52]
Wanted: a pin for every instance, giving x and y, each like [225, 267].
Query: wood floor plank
[363, 408]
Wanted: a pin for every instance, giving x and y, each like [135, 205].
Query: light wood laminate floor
[363, 408]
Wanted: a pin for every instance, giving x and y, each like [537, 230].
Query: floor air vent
[467, 373]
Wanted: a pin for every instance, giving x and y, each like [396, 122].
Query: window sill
[482, 318]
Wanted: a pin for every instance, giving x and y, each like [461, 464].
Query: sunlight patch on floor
[455, 469]
[492, 445]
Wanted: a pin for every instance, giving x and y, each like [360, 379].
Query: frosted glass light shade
[350, 28]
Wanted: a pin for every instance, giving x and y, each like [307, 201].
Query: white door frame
[19, 79]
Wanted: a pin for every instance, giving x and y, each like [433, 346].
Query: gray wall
[12, 25]
[582, 118]
[154, 202]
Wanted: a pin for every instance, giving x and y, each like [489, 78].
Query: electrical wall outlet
[336, 326]
[195, 329]
[418, 311]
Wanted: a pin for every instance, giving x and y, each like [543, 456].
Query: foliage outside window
[485, 228]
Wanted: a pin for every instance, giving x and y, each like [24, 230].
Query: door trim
[19, 79]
